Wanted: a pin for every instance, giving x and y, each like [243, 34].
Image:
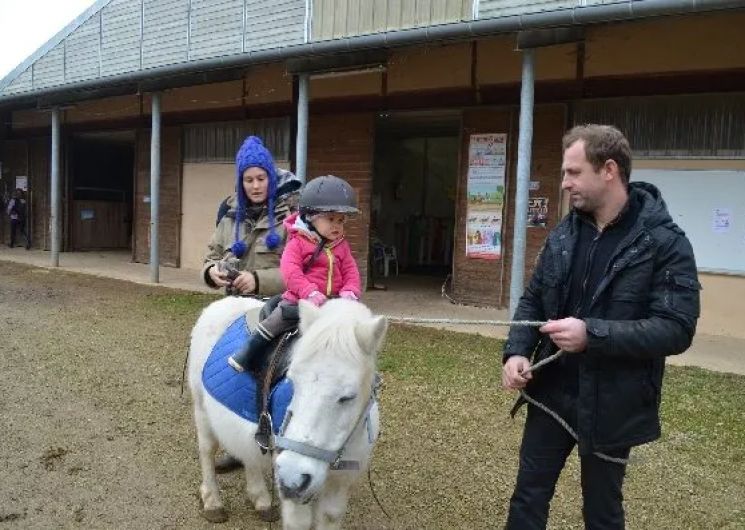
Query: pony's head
[332, 371]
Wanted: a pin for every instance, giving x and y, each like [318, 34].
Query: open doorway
[101, 181]
[413, 201]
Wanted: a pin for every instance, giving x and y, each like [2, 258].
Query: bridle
[332, 458]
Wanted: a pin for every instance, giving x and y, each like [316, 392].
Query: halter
[333, 458]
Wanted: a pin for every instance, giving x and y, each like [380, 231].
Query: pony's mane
[332, 334]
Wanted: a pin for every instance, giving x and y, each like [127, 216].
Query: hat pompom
[272, 240]
[239, 248]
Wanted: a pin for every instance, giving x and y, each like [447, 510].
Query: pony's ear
[308, 314]
[371, 334]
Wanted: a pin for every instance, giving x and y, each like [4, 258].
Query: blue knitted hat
[253, 154]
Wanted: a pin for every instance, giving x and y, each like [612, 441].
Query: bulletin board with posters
[487, 154]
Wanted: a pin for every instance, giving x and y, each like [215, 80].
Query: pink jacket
[333, 271]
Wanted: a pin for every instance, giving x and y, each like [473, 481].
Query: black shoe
[241, 360]
[227, 463]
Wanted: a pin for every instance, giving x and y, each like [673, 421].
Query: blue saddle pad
[238, 390]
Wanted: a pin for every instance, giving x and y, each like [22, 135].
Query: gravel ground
[95, 433]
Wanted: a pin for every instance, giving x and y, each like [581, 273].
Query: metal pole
[154, 188]
[524, 153]
[54, 219]
[301, 143]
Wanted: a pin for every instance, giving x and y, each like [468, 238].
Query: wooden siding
[121, 27]
[83, 51]
[333, 19]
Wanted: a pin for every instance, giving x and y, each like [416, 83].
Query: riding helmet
[328, 194]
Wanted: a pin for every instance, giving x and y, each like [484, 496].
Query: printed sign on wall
[487, 156]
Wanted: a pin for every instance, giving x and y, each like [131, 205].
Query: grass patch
[177, 304]
[448, 454]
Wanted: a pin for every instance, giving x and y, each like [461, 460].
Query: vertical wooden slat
[408, 14]
[340, 19]
[423, 14]
[393, 15]
[327, 19]
[353, 18]
[439, 11]
[366, 9]
[380, 15]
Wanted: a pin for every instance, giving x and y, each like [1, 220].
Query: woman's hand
[218, 278]
[245, 283]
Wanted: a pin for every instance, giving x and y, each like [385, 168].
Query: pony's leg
[209, 492]
[296, 516]
[256, 488]
[332, 506]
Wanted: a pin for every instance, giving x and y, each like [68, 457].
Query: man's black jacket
[644, 308]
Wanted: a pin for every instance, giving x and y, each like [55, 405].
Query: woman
[250, 236]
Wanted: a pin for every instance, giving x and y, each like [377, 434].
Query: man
[617, 282]
[17, 213]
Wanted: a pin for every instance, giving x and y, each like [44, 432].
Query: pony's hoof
[270, 515]
[215, 515]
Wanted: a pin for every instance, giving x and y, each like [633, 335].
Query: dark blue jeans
[544, 450]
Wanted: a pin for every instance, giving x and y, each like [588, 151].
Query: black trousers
[543, 453]
[15, 227]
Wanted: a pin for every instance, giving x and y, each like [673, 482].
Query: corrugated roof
[51, 43]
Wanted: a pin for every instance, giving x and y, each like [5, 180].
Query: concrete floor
[405, 296]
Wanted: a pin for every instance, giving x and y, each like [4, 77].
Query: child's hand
[348, 295]
[316, 298]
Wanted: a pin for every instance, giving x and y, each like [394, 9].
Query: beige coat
[258, 259]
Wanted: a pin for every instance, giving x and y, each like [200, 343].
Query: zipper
[610, 274]
[330, 277]
[586, 277]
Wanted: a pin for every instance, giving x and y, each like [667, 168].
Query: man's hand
[245, 283]
[218, 278]
[514, 376]
[569, 334]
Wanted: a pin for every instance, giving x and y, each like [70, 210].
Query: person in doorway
[317, 262]
[17, 213]
[617, 283]
[248, 240]
[249, 236]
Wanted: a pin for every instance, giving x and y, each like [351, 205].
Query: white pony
[332, 418]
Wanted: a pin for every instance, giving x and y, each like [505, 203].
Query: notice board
[710, 206]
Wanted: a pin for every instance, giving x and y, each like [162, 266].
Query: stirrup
[263, 436]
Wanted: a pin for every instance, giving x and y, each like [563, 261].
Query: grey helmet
[328, 194]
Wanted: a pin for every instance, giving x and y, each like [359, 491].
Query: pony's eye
[347, 399]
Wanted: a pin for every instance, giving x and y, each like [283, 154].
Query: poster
[537, 212]
[22, 183]
[485, 195]
[721, 220]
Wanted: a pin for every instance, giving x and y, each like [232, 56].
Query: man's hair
[602, 143]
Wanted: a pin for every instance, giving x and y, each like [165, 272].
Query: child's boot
[256, 344]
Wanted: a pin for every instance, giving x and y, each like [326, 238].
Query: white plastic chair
[389, 257]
